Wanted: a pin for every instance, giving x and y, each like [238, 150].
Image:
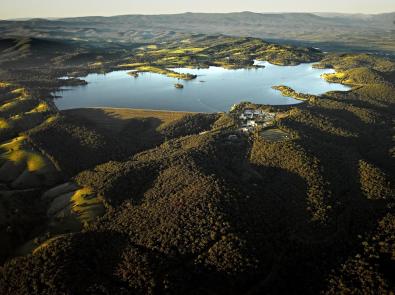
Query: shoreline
[132, 109]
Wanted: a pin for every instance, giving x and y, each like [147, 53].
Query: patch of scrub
[4, 124]
[289, 92]
[36, 245]
[71, 208]
[4, 84]
[166, 72]
[40, 108]
[21, 92]
[24, 167]
[45, 244]
[86, 205]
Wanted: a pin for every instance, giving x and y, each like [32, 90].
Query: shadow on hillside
[131, 135]
[352, 213]
[108, 120]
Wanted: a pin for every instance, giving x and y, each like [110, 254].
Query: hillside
[368, 33]
[148, 202]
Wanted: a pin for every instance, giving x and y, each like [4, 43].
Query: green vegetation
[287, 55]
[374, 183]
[221, 51]
[339, 33]
[71, 210]
[365, 270]
[25, 167]
[165, 72]
[289, 92]
[21, 213]
[24, 171]
[305, 206]
[357, 76]
[101, 135]
[354, 61]
[21, 166]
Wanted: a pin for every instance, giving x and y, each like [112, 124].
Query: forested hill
[357, 32]
[135, 202]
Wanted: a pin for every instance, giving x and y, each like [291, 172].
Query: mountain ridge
[370, 33]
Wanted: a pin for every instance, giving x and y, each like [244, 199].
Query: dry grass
[132, 65]
[72, 210]
[42, 107]
[21, 92]
[4, 84]
[86, 205]
[45, 244]
[274, 135]
[22, 165]
[4, 124]
[116, 119]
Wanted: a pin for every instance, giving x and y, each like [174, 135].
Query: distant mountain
[245, 19]
[364, 32]
[27, 51]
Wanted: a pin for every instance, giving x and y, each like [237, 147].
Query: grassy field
[117, 119]
[274, 135]
[21, 165]
[24, 166]
[71, 210]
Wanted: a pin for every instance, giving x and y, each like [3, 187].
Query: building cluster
[252, 119]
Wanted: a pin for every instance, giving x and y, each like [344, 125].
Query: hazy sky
[55, 8]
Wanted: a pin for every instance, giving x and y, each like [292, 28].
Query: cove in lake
[214, 90]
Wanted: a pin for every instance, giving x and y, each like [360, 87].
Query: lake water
[214, 90]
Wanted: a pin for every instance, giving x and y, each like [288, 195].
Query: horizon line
[197, 12]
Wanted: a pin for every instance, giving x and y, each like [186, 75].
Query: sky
[70, 8]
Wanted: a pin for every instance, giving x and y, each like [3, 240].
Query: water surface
[214, 90]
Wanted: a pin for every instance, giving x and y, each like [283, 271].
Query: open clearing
[116, 119]
[274, 135]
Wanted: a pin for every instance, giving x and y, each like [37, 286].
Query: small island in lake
[134, 74]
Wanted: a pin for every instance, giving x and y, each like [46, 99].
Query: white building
[242, 117]
[245, 129]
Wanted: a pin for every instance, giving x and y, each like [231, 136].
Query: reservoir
[214, 90]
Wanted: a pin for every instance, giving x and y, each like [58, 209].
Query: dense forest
[171, 205]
